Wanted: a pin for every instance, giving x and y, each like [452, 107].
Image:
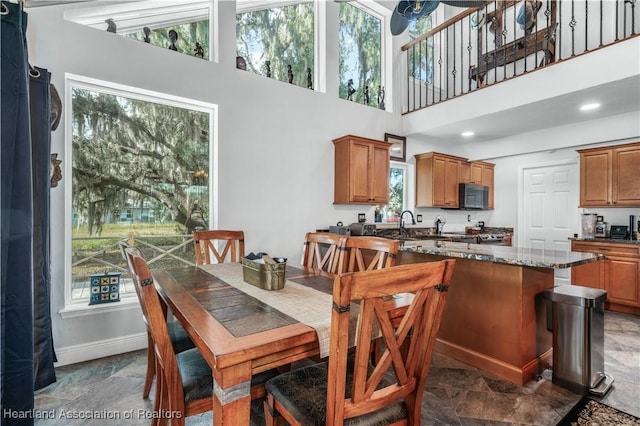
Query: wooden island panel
[495, 318]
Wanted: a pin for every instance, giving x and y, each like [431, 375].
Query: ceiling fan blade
[464, 3]
[398, 23]
[410, 10]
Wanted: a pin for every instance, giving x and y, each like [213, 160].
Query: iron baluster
[601, 12]
[586, 21]
[446, 59]
[413, 73]
[469, 51]
[514, 38]
[624, 19]
[440, 71]
[420, 78]
[618, 18]
[408, 81]
[633, 16]
[453, 70]
[572, 24]
[433, 83]
[558, 40]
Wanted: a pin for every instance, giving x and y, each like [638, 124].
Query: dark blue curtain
[40, 106]
[17, 223]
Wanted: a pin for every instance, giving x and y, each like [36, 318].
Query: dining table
[242, 330]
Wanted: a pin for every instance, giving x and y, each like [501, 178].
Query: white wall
[275, 153]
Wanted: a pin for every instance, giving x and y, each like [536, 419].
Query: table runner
[304, 304]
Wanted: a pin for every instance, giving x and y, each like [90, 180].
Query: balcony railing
[501, 40]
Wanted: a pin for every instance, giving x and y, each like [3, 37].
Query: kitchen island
[495, 317]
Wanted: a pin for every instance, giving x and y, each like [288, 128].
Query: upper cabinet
[361, 171]
[610, 176]
[437, 179]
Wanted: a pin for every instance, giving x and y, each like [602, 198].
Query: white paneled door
[549, 209]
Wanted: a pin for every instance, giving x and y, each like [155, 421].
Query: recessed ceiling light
[589, 107]
[467, 134]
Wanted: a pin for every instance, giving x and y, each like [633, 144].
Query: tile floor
[456, 394]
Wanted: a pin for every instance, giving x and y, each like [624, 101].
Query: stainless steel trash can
[578, 339]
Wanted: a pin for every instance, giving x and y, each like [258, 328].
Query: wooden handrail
[445, 24]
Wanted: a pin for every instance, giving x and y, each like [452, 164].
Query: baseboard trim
[100, 349]
[519, 375]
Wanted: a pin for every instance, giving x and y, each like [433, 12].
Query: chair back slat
[371, 389]
[218, 246]
[323, 250]
[369, 253]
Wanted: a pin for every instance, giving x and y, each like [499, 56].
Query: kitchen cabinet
[618, 274]
[361, 171]
[437, 179]
[610, 176]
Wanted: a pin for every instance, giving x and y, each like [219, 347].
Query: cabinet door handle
[603, 249]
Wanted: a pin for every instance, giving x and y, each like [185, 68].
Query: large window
[278, 42]
[360, 69]
[140, 172]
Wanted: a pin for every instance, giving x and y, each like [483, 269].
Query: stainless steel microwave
[473, 196]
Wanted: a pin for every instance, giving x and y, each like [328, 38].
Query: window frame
[75, 307]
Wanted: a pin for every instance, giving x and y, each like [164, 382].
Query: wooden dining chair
[367, 253]
[350, 387]
[179, 337]
[218, 246]
[323, 250]
[184, 380]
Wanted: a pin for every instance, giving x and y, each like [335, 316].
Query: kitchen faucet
[413, 220]
[439, 225]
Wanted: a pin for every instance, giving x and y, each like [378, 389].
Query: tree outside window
[360, 55]
[271, 40]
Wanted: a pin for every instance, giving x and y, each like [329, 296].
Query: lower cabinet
[619, 274]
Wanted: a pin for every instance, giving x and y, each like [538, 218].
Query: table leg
[231, 401]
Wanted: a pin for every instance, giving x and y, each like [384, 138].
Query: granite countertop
[607, 240]
[501, 254]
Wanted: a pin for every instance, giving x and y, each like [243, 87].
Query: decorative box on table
[267, 276]
[105, 288]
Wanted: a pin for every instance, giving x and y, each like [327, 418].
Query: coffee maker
[601, 227]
